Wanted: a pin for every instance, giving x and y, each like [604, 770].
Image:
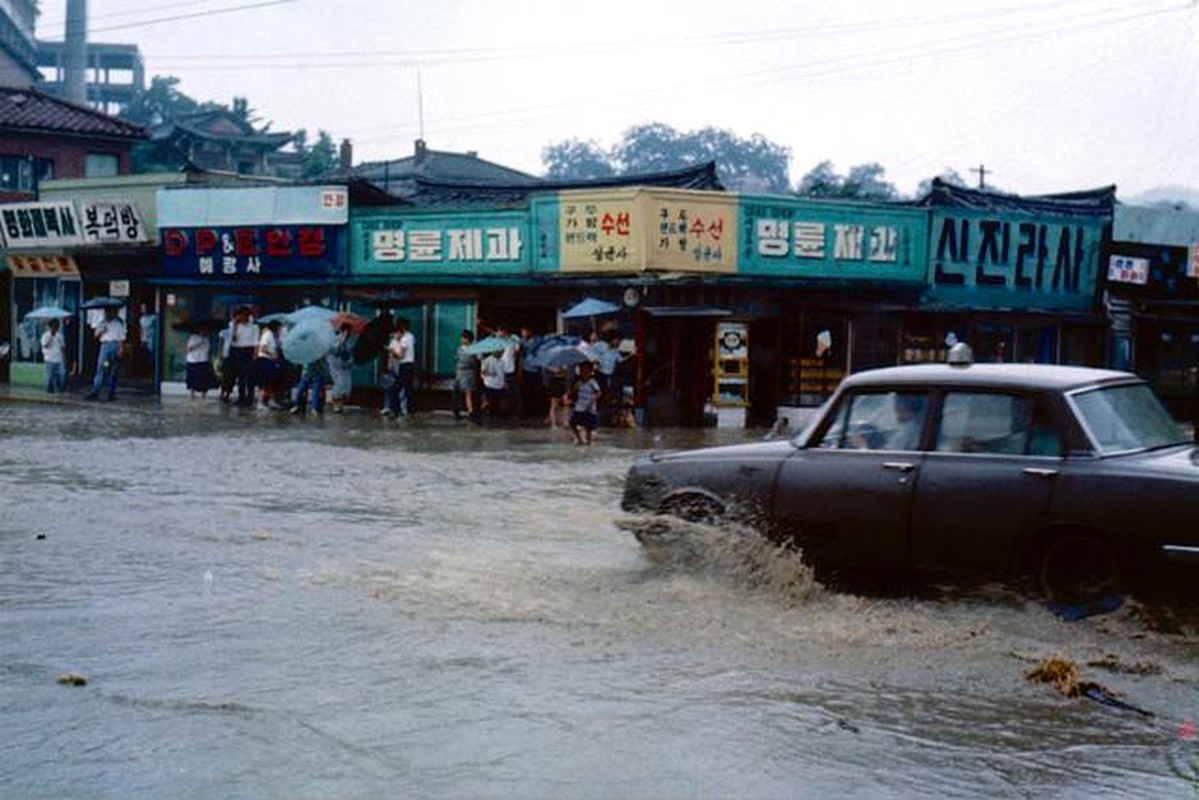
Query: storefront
[1151, 297]
[273, 248]
[1015, 277]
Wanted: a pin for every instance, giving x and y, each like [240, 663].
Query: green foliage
[576, 160]
[754, 164]
[864, 182]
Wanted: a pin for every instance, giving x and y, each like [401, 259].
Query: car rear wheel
[693, 508]
[1078, 568]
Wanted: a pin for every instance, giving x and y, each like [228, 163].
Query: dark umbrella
[103, 302]
[373, 339]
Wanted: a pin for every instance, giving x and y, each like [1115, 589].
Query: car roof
[1037, 377]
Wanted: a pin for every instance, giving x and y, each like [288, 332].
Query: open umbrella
[310, 312]
[532, 356]
[565, 356]
[103, 302]
[308, 340]
[373, 338]
[491, 344]
[49, 312]
[357, 324]
[590, 307]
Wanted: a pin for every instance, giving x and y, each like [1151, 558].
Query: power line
[193, 15]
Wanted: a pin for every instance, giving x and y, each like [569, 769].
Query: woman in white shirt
[269, 366]
[53, 347]
[200, 376]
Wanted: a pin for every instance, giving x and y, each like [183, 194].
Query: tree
[864, 182]
[754, 164]
[321, 158]
[576, 160]
[950, 176]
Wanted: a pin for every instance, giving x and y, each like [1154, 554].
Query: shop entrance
[677, 380]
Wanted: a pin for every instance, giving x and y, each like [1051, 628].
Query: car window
[989, 422]
[1126, 418]
[878, 421]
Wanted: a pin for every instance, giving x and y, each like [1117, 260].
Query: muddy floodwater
[263, 606]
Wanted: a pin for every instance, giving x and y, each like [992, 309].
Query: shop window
[818, 362]
[31, 293]
[24, 173]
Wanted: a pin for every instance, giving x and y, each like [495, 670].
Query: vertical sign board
[1013, 258]
[432, 244]
[630, 230]
[824, 240]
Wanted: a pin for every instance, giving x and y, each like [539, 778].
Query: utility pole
[982, 176]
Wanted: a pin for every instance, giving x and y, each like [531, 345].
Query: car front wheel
[693, 508]
[1077, 568]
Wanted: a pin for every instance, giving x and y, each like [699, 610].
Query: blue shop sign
[456, 243]
[839, 241]
[253, 252]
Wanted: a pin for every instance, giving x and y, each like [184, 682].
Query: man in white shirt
[110, 333]
[53, 350]
[401, 363]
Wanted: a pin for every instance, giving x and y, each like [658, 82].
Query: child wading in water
[585, 395]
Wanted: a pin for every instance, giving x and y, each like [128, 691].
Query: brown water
[270, 607]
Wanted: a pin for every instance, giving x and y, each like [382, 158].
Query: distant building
[116, 73]
[220, 140]
[43, 137]
[18, 64]
[400, 176]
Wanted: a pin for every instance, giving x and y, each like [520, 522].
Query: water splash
[727, 549]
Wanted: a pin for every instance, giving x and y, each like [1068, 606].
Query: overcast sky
[1049, 96]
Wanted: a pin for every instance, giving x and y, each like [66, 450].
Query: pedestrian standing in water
[313, 379]
[466, 382]
[243, 340]
[110, 333]
[341, 369]
[401, 366]
[54, 354]
[268, 361]
[585, 395]
[200, 377]
[492, 373]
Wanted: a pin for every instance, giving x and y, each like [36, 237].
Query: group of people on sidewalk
[110, 335]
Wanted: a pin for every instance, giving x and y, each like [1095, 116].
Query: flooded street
[264, 606]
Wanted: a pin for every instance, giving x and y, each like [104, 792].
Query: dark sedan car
[1077, 477]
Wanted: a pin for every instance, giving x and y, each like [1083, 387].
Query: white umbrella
[49, 312]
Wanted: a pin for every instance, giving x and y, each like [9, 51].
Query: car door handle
[1040, 472]
[901, 466]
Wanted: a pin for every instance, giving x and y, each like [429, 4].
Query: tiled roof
[451, 193]
[1086, 203]
[31, 111]
[438, 165]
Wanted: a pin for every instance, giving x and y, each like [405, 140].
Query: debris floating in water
[1062, 673]
[72, 679]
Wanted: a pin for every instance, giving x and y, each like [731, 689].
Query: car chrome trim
[902, 466]
[1181, 553]
[1040, 472]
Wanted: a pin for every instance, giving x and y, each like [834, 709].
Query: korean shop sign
[35, 225]
[466, 243]
[821, 240]
[252, 252]
[112, 222]
[1013, 259]
[633, 230]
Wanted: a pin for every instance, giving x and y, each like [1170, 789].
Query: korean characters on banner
[449, 244]
[1127, 269]
[112, 223]
[822, 241]
[597, 233]
[34, 225]
[694, 233]
[252, 252]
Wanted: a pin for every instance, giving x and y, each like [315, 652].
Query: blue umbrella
[308, 340]
[49, 312]
[544, 345]
[310, 312]
[565, 356]
[492, 344]
[590, 307]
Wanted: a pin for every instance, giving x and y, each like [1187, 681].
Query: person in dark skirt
[200, 375]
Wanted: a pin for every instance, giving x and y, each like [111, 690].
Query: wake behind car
[1077, 477]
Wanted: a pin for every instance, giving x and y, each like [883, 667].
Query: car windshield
[1125, 418]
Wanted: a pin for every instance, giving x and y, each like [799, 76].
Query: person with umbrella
[341, 366]
[110, 333]
[54, 354]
